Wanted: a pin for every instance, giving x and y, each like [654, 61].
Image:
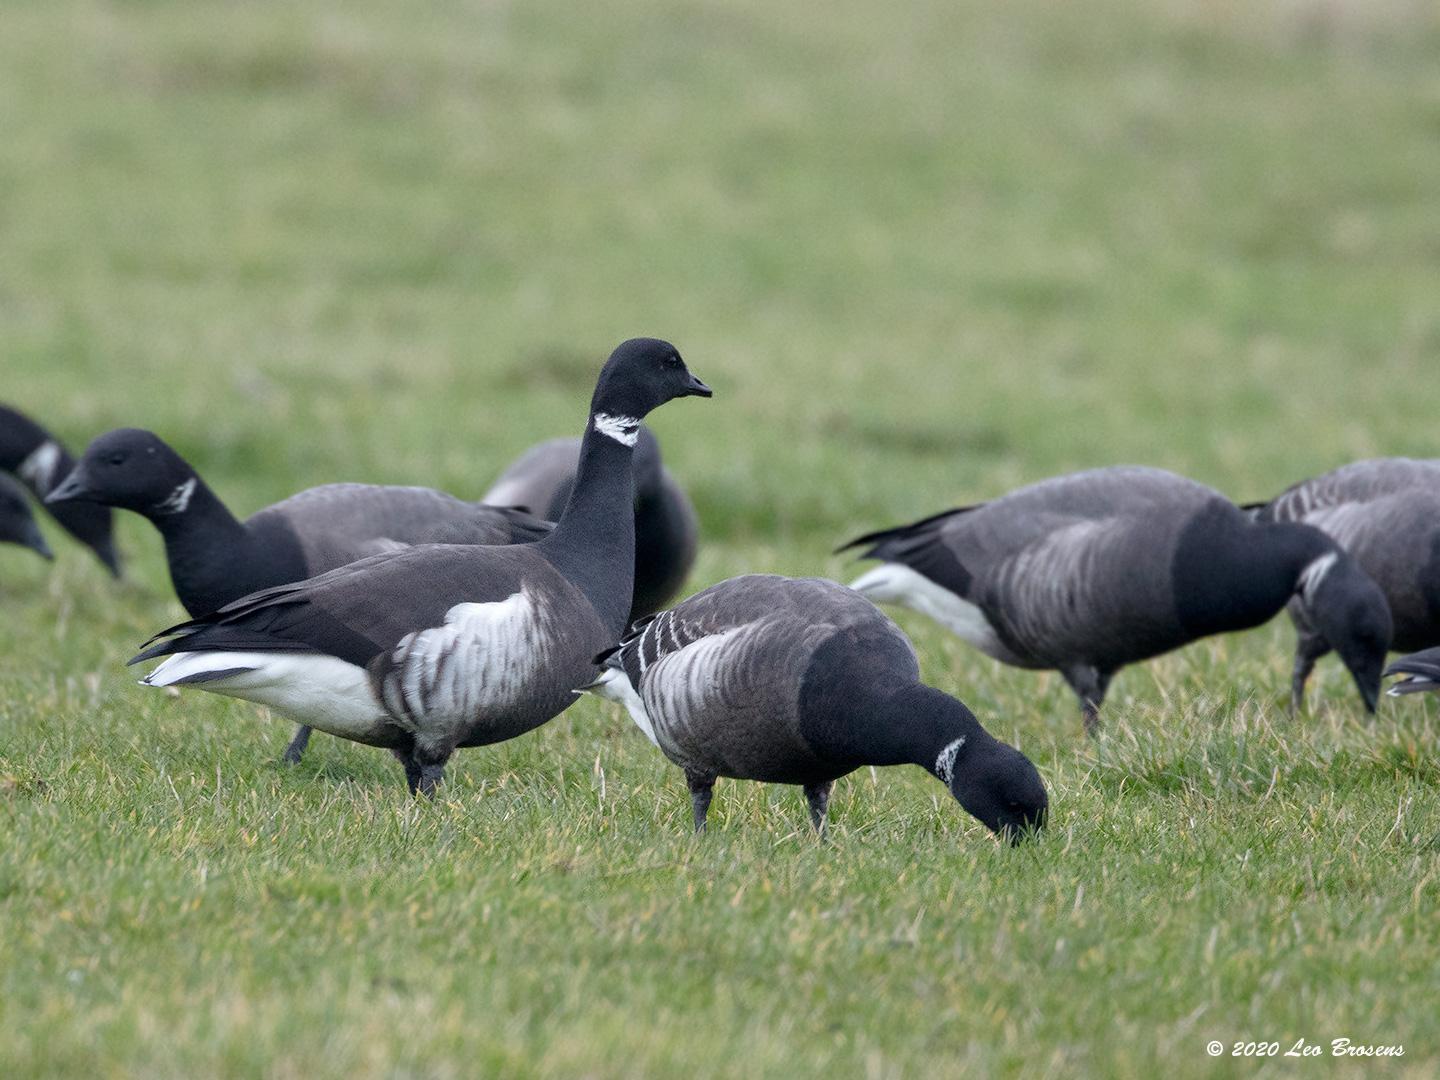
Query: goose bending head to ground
[214, 558]
[40, 461]
[1086, 573]
[17, 523]
[1386, 514]
[1420, 671]
[439, 646]
[666, 528]
[801, 681]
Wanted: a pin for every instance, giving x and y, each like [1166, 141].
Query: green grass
[923, 254]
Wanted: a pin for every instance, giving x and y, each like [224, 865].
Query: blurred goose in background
[1421, 671]
[666, 528]
[1086, 573]
[17, 523]
[439, 646]
[215, 558]
[1386, 514]
[802, 681]
[40, 462]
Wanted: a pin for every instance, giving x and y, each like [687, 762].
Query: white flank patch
[38, 468]
[484, 656]
[1314, 574]
[614, 685]
[322, 691]
[178, 501]
[945, 763]
[623, 429]
[895, 583]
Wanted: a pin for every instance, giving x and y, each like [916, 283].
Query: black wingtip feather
[879, 536]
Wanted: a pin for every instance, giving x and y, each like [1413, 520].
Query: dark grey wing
[539, 479]
[1358, 482]
[361, 610]
[961, 547]
[338, 523]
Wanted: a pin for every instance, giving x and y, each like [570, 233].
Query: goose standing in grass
[1086, 573]
[40, 461]
[801, 681]
[1386, 514]
[666, 529]
[215, 558]
[1421, 672]
[440, 646]
[17, 523]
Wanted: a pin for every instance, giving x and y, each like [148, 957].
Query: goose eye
[672, 361]
[117, 459]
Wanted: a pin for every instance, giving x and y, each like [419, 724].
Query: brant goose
[666, 529]
[1386, 514]
[1421, 671]
[215, 558]
[17, 524]
[1089, 572]
[439, 646]
[801, 681]
[41, 462]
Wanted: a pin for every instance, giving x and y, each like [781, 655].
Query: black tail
[879, 537]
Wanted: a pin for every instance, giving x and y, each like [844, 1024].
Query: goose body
[1386, 514]
[438, 646]
[17, 523]
[801, 681]
[40, 461]
[1089, 572]
[666, 528]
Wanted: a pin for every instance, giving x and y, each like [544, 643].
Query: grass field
[923, 254]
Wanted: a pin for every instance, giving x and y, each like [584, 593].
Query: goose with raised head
[440, 646]
[40, 461]
[215, 558]
[1385, 513]
[1087, 573]
[666, 528]
[802, 681]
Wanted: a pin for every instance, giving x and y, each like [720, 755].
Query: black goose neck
[919, 725]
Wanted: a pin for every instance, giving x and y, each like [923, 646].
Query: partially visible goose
[1386, 514]
[1421, 671]
[666, 528]
[17, 523]
[440, 646]
[215, 558]
[801, 681]
[40, 461]
[1089, 572]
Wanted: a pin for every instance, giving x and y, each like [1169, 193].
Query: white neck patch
[38, 469]
[1314, 574]
[623, 429]
[178, 500]
[945, 763]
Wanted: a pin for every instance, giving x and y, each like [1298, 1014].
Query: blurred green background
[924, 253]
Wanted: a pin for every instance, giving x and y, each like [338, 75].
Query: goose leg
[431, 766]
[818, 796]
[406, 756]
[1308, 649]
[297, 746]
[1090, 685]
[702, 786]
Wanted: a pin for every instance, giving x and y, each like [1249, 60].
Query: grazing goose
[440, 646]
[41, 462]
[1087, 573]
[1386, 514]
[1421, 671]
[17, 524]
[215, 558]
[665, 523]
[801, 681]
